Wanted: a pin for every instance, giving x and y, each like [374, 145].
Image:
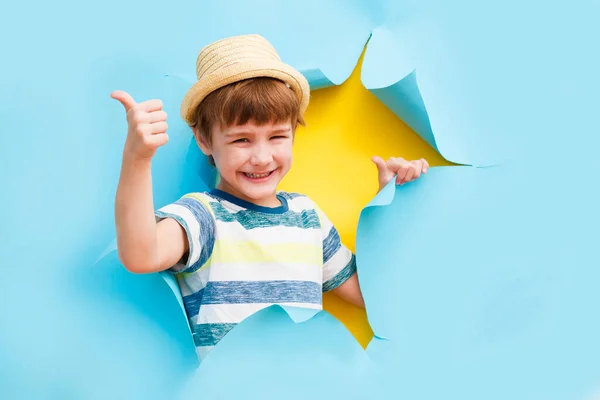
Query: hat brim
[240, 71]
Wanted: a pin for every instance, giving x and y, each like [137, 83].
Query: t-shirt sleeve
[339, 263]
[194, 216]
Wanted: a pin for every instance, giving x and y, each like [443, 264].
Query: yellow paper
[346, 126]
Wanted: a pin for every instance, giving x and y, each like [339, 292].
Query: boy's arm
[404, 171]
[339, 264]
[143, 245]
[350, 291]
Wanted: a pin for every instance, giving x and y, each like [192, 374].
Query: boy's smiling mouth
[258, 176]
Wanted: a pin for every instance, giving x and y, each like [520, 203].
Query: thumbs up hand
[147, 126]
[405, 171]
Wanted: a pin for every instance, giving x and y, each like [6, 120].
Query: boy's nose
[261, 155]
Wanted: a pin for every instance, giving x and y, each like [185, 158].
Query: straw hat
[236, 58]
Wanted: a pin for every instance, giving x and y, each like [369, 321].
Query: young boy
[243, 246]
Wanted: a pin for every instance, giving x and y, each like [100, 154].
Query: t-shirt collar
[251, 206]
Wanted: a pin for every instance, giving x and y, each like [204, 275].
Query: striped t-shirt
[244, 257]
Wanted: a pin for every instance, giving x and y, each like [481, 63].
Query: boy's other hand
[405, 171]
[147, 126]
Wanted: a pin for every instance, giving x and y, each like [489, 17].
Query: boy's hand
[406, 171]
[147, 126]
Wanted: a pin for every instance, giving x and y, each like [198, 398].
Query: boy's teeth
[256, 176]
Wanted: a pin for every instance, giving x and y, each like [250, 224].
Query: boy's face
[252, 159]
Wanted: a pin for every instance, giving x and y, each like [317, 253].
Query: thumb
[383, 172]
[379, 163]
[123, 98]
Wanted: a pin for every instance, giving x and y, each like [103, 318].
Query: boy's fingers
[397, 163]
[417, 165]
[378, 161]
[416, 174]
[124, 98]
[159, 127]
[380, 164]
[157, 140]
[157, 116]
[383, 173]
[425, 165]
[401, 175]
[151, 105]
[410, 173]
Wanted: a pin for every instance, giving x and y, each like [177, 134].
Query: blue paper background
[465, 259]
[269, 356]
[494, 307]
[490, 75]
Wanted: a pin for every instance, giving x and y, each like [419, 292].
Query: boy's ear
[204, 147]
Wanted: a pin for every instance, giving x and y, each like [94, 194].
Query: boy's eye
[279, 137]
[241, 140]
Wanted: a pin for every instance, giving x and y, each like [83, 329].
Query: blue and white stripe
[244, 258]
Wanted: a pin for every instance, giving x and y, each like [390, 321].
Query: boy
[243, 246]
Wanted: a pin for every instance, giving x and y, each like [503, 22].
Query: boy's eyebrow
[239, 133]
[244, 132]
[281, 130]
